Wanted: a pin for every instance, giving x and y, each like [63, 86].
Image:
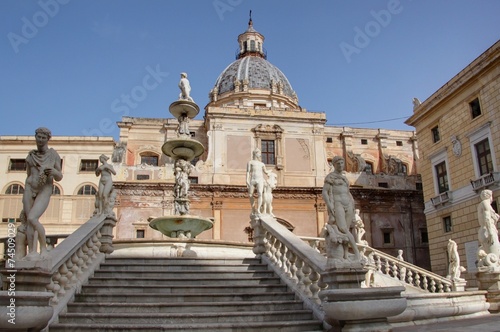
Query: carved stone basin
[187, 225]
[186, 107]
[183, 148]
[357, 304]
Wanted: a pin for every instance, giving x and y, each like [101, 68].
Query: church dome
[251, 80]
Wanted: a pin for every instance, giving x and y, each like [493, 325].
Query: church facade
[253, 105]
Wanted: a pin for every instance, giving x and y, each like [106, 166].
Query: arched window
[149, 158]
[369, 168]
[15, 189]
[87, 190]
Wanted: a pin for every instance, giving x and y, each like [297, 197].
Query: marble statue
[489, 246]
[400, 255]
[454, 268]
[104, 196]
[183, 129]
[340, 207]
[185, 88]
[255, 180]
[269, 185]
[416, 103]
[118, 153]
[182, 169]
[43, 167]
[359, 228]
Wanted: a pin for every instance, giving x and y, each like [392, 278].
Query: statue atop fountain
[182, 149]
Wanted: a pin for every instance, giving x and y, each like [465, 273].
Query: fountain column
[182, 149]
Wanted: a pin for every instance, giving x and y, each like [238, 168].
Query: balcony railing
[441, 198]
[485, 181]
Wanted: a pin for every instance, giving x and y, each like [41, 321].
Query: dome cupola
[251, 81]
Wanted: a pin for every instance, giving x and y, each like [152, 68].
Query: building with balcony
[458, 129]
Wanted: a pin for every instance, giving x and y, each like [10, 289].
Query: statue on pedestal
[340, 206]
[43, 167]
[185, 88]
[454, 268]
[489, 246]
[105, 197]
[255, 180]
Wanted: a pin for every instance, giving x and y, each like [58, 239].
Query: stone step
[182, 261]
[172, 280]
[180, 267]
[184, 289]
[184, 318]
[279, 326]
[184, 274]
[127, 297]
[243, 306]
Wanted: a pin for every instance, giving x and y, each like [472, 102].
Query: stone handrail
[66, 268]
[298, 265]
[405, 272]
[408, 273]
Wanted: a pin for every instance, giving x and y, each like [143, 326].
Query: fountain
[182, 150]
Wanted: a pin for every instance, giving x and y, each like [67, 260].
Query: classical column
[217, 214]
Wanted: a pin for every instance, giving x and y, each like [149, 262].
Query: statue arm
[326, 197]
[57, 172]
[248, 174]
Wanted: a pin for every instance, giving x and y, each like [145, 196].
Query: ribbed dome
[259, 73]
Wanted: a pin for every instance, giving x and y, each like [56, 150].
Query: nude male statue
[185, 88]
[43, 167]
[255, 179]
[340, 203]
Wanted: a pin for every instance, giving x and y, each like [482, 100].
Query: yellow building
[459, 137]
[253, 105]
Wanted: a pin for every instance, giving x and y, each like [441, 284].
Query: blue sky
[69, 65]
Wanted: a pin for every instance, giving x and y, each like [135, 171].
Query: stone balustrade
[298, 265]
[61, 275]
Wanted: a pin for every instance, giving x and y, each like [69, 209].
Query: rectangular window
[442, 177]
[193, 179]
[424, 236]
[329, 140]
[142, 177]
[364, 141]
[484, 159]
[88, 165]
[139, 234]
[11, 220]
[388, 237]
[435, 134]
[475, 108]
[399, 143]
[447, 224]
[17, 165]
[149, 160]
[268, 152]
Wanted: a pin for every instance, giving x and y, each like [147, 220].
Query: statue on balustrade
[255, 180]
[340, 206]
[43, 166]
[269, 185]
[489, 246]
[454, 268]
[106, 195]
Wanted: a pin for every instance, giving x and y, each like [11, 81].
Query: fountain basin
[183, 148]
[186, 107]
[168, 225]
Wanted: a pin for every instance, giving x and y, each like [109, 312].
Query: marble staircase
[185, 294]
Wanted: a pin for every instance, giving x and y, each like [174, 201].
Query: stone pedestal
[348, 307]
[107, 235]
[490, 282]
[25, 311]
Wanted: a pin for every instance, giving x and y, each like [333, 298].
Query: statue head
[44, 131]
[486, 194]
[103, 158]
[184, 75]
[256, 154]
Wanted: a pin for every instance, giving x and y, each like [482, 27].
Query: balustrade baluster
[306, 270]
[314, 287]
[433, 286]
[410, 277]
[417, 279]
[300, 274]
[292, 259]
[378, 262]
[426, 283]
